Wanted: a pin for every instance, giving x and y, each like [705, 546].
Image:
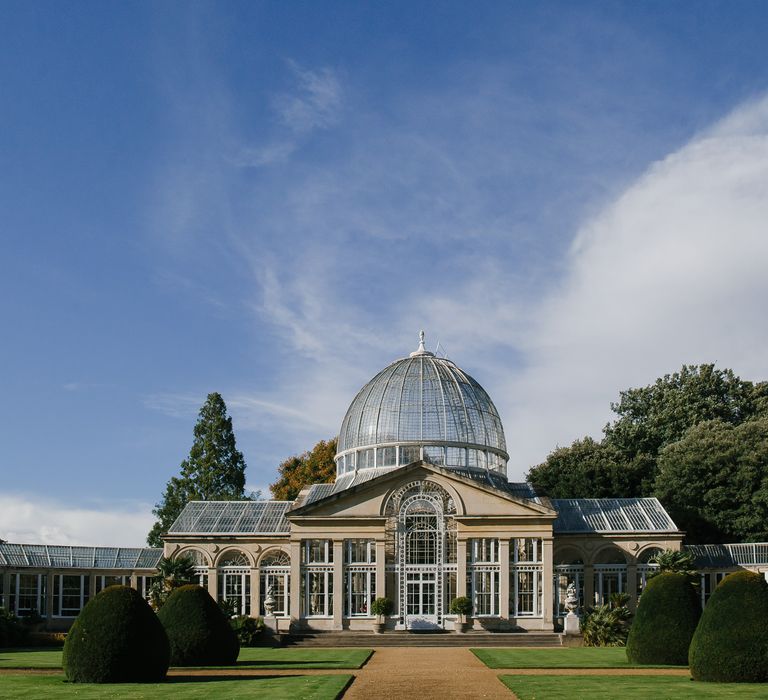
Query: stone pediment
[473, 498]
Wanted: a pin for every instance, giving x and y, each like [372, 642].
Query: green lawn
[21, 687]
[250, 657]
[627, 688]
[565, 657]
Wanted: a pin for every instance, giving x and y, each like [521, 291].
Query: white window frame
[58, 600]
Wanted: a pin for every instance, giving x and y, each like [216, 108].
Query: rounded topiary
[666, 618]
[730, 644]
[116, 638]
[199, 632]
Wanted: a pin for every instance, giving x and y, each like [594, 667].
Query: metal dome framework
[422, 407]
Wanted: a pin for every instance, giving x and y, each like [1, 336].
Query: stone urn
[571, 623]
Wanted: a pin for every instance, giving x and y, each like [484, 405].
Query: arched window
[610, 574]
[274, 574]
[421, 533]
[200, 561]
[235, 582]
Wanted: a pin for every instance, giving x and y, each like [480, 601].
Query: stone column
[255, 592]
[338, 584]
[213, 583]
[48, 599]
[381, 569]
[547, 593]
[91, 586]
[461, 568]
[295, 592]
[589, 585]
[632, 586]
[504, 579]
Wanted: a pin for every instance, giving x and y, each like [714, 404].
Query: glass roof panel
[36, 554]
[611, 515]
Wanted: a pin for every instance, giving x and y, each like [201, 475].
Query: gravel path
[426, 673]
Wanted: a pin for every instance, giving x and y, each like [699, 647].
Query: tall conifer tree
[214, 470]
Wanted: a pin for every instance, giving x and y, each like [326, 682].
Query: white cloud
[672, 272]
[35, 520]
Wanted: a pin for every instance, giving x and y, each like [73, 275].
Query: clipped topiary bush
[116, 638]
[730, 644]
[666, 618]
[199, 633]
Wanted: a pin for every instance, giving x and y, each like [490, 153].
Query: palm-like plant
[171, 574]
[682, 562]
[607, 625]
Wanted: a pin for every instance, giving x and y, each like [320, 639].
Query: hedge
[730, 644]
[666, 618]
[198, 631]
[117, 638]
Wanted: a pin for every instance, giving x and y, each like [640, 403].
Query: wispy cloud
[483, 227]
[314, 103]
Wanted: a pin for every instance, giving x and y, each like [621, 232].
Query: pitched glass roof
[69, 557]
[712, 556]
[232, 517]
[611, 515]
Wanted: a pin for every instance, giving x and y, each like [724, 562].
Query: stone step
[414, 639]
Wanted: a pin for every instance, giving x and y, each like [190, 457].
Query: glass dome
[421, 407]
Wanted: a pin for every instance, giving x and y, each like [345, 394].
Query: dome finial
[422, 350]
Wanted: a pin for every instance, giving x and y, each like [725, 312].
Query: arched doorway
[424, 553]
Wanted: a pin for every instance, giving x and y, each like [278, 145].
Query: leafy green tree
[715, 481]
[214, 470]
[314, 467]
[588, 469]
[657, 415]
[624, 463]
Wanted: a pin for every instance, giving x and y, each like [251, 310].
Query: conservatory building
[420, 512]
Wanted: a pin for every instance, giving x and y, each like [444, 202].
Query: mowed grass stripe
[275, 688]
[626, 687]
[566, 657]
[250, 657]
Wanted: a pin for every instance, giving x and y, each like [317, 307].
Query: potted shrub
[461, 606]
[381, 607]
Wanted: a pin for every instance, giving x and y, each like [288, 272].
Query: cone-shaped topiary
[666, 618]
[730, 644]
[116, 638]
[199, 632]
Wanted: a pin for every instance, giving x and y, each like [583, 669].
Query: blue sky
[269, 200]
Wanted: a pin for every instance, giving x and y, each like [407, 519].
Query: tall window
[275, 572]
[70, 594]
[421, 538]
[28, 594]
[235, 582]
[525, 586]
[483, 574]
[359, 577]
[317, 578]
[201, 565]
